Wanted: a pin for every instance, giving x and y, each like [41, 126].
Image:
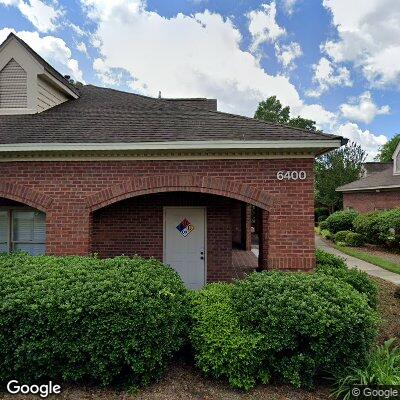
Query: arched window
[22, 229]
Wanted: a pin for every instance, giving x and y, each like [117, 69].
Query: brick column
[263, 237]
[68, 230]
[246, 227]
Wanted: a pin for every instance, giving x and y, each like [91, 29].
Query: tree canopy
[335, 169]
[386, 151]
[272, 110]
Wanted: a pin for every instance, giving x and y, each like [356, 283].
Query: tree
[271, 110]
[303, 123]
[386, 151]
[335, 169]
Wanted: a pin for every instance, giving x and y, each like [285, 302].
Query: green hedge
[222, 348]
[354, 239]
[81, 318]
[341, 236]
[326, 259]
[382, 227]
[331, 265]
[292, 327]
[367, 225]
[341, 221]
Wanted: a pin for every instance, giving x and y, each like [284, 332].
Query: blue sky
[334, 61]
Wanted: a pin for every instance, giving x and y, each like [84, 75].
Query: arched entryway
[194, 224]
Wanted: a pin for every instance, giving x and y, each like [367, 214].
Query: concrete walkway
[353, 262]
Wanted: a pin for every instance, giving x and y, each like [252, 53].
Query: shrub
[367, 225]
[323, 225]
[383, 368]
[81, 318]
[326, 259]
[341, 221]
[341, 236]
[354, 239]
[326, 234]
[389, 227]
[359, 280]
[293, 327]
[381, 227]
[222, 348]
[320, 212]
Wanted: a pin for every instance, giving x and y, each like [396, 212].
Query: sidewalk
[353, 262]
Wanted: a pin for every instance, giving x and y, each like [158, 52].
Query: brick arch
[180, 183]
[25, 195]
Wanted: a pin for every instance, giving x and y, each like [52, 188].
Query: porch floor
[243, 262]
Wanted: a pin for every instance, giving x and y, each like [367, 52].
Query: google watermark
[375, 392]
[44, 390]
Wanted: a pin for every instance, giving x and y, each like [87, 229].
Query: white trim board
[369, 188]
[175, 145]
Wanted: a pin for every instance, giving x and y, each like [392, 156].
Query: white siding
[48, 96]
[397, 163]
[13, 86]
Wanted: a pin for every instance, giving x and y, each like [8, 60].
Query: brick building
[94, 170]
[378, 188]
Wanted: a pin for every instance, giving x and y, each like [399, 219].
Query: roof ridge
[150, 97]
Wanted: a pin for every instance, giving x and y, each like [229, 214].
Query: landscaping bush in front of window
[86, 319]
[292, 327]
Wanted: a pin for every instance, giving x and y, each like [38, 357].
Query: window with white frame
[23, 230]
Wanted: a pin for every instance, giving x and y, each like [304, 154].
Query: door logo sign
[185, 227]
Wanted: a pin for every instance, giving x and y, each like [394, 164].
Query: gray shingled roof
[109, 116]
[377, 180]
[372, 167]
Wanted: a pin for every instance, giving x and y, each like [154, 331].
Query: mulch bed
[184, 382]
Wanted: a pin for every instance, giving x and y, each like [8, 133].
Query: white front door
[184, 243]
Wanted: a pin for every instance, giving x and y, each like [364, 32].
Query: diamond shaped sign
[185, 227]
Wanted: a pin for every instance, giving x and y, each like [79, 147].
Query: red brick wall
[364, 202]
[135, 226]
[63, 187]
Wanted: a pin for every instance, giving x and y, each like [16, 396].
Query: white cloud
[159, 54]
[82, 48]
[77, 29]
[369, 34]
[369, 142]
[54, 50]
[287, 53]
[326, 75]
[365, 110]
[263, 26]
[43, 16]
[289, 5]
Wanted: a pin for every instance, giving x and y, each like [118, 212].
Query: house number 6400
[291, 175]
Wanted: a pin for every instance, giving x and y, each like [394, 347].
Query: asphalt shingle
[103, 115]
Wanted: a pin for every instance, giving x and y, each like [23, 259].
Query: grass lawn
[184, 382]
[380, 262]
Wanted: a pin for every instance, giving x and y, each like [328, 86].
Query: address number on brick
[291, 175]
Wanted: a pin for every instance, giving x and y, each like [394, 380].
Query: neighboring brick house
[95, 170]
[378, 189]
